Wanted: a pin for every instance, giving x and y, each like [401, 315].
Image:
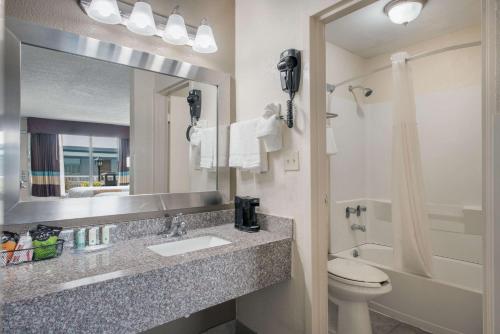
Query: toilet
[351, 285]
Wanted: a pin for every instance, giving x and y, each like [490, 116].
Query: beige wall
[179, 166]
[66, 15]
[447, 89]
[142, 109]
[184, 175]
[342, 65]
[263, 30]
[25, 193]
[440, 72]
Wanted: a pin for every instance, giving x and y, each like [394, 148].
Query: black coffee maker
[245, 217]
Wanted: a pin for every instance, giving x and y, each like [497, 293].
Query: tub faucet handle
[349, 211]
[360, 209]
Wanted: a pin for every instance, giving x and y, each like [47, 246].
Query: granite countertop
[129, 288]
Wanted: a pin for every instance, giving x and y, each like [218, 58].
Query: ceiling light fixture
[141, 19]
[175, 30]
[204, 41]
[404, 11]
[104, 11]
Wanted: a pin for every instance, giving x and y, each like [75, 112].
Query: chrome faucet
[360, 209]
[177, 227]
[357, 210]
[349, 211]
[359, 227]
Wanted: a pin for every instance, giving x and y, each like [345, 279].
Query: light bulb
[141, 19]
[175, 30]
[204, 41]
[104, 11]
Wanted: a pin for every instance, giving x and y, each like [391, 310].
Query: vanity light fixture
[141, 19]
[404, 11]
[104, 11]
[175, 30]
[204, 41]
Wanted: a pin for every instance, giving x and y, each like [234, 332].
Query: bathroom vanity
[129, 288]
[119, 152]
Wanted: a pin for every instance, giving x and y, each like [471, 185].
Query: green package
[45, 249]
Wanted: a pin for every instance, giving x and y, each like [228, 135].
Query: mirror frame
[16, 212]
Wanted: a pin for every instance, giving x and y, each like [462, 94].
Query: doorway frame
[315, 97]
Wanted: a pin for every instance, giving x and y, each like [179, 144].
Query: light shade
[175, 30]
[204, 41]
[104, 11]
[141, 20]
[404, 11]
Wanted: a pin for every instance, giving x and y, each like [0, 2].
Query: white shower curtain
[412, 244]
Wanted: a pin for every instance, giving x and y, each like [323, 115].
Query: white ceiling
[58, 85]
[368, 32]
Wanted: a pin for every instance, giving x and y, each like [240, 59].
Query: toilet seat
[355, 273]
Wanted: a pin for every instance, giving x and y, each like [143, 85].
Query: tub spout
[359, 227]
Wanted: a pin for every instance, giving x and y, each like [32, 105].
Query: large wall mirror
[98, 124]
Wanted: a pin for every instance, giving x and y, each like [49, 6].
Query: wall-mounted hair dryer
[289, 67]
[194, 101]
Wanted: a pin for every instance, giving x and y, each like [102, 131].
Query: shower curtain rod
[330, 88]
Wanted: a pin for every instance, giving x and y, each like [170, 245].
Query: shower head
[330, 88]
[366, 91]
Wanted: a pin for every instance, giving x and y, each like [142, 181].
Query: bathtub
[449, 303]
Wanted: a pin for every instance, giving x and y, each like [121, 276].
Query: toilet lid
[355, 271]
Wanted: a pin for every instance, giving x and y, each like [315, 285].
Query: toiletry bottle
[79, 238]
[28, 245]
[97, 235]
[24, 252]
[92, 236]
[105, 234]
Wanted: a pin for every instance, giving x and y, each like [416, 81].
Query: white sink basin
[188, 245]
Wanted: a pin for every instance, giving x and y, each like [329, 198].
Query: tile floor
[381, 324]
[231, 327]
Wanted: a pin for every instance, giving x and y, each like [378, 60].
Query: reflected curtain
[412, 243]
[45, 168]
[123, 175]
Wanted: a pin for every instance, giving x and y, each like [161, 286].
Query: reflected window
[89, 161]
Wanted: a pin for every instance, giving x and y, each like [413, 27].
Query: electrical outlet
[292, 160]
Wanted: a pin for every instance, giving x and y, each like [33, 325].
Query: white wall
[202, 179]
[179, 152]
[141, 134]
[348, 167]
[184, 175]
[263, 30]
[159, 157]
[448, 99]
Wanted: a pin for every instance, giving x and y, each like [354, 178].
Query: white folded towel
[269, 129]
[223, 145]
[331, 145]
[245, 151]
[194, 148]
[208, 151]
